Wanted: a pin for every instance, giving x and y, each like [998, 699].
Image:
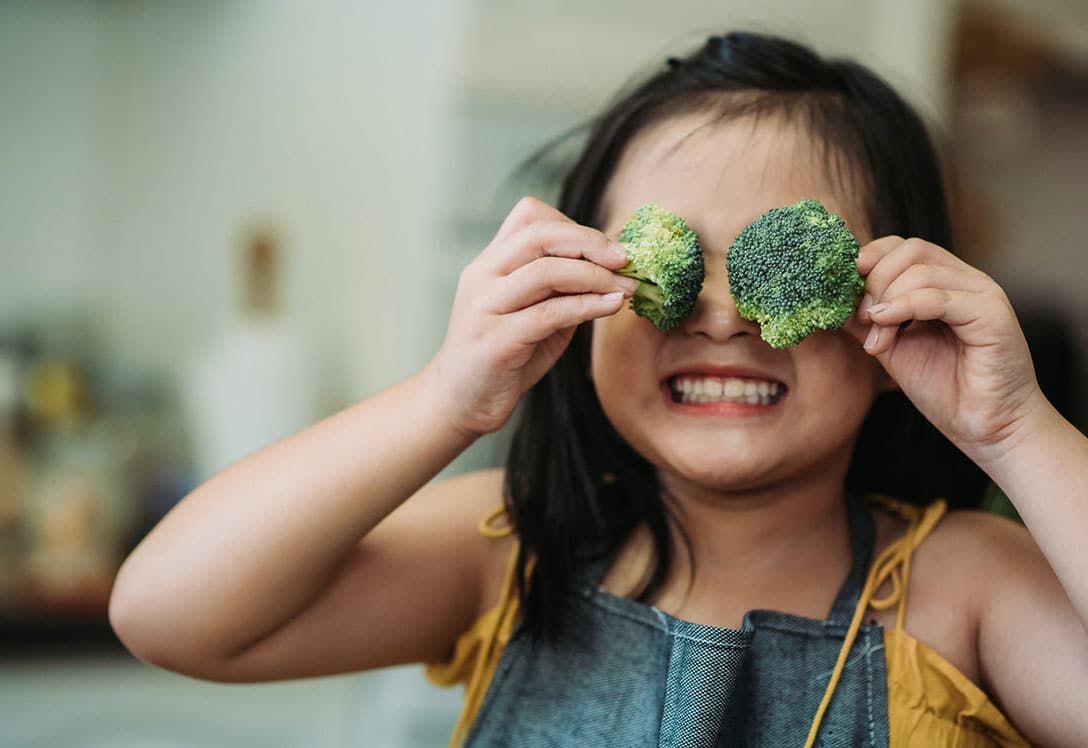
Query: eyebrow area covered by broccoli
[664, 254]
[793, 271]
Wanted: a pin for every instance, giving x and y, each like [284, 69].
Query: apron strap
[892, 564]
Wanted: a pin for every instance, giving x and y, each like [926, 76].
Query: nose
[716, 316]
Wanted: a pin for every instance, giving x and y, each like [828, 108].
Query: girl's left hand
[963, 360]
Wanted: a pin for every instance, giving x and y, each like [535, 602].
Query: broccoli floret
[664, 254]
[792, 270]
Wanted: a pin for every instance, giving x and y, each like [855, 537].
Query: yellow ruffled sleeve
[477, 651]
[930, 702]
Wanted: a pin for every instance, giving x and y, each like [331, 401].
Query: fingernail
[618, 249]
[866, 302]
[877, 308]
[628, 285]
[612, 298]
[873, 338]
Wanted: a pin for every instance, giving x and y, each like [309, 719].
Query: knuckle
[528, 206]
[550, 313]
[915, 246]
[524, 213]
[925, 275]
[887, 243]
[467, 278]
[884, 244]
[532, 232]
[603, 278]
[597, 238]
[877, 279]
[936, 296]
[583, 305]
[547, 270]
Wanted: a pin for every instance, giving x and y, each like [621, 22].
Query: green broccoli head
[792, 270]
[664, 254]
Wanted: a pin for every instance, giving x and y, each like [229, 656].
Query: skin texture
[760, 496]
[831, 380]
[332, 551]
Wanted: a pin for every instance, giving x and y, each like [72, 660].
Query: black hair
[574, 488]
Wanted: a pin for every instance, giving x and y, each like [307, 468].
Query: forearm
[248, 549]
[1045, 475]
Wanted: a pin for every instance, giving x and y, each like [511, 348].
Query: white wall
[573, 54]
[140, 138]
[146, 136]
[48, 62]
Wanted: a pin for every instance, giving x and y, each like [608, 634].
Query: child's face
[720, 177]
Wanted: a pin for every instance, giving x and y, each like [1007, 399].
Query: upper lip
[724, 371]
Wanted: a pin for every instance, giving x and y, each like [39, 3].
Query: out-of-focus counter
[111, 700]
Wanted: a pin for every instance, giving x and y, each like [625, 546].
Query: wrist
[441, 406]
[1033, 434]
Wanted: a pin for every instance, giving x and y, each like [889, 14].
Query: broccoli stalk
[664, 254]
[792, 270]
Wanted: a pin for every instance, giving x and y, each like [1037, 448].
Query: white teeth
[733, 388]
[691, 389]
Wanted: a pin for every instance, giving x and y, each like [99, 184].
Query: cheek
[840, 370]
[618, 347]
[622, 365]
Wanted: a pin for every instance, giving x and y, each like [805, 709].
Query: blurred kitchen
[220, 221]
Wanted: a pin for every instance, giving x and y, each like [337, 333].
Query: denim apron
[629, 674]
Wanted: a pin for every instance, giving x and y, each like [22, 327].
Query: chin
[722, 472]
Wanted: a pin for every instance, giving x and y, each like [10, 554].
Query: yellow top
[930, 702]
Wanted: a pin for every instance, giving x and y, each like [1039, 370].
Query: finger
[548, 276]
[951, 307]
[527, 210]
[921, 276]
[555, 239]
[895, 262]
[541, 320]
[881, 338]
[958, 309]
[871, 253]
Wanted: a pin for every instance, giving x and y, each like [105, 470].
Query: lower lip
[720, 408]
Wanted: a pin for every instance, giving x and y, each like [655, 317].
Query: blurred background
[220, 221]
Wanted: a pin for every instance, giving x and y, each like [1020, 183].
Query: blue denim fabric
[632, 675]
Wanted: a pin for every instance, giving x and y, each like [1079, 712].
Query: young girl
[663, 561]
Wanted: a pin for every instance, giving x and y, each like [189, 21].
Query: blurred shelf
[38, 637]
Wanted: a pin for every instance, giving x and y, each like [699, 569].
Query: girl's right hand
[516, 309]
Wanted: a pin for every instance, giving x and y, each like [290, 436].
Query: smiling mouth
[695, 390]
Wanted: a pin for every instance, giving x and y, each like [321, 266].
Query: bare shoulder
[969, 560]
[446, 515]
[990, 550]
[969, 546]
[1030, 644]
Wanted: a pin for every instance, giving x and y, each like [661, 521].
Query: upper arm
[405, 593]
[1032, 647]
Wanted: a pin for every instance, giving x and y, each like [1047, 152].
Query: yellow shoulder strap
[893, 563]
[495, 628]
[486, 528]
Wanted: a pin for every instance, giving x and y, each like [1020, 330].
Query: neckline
[862, 541]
